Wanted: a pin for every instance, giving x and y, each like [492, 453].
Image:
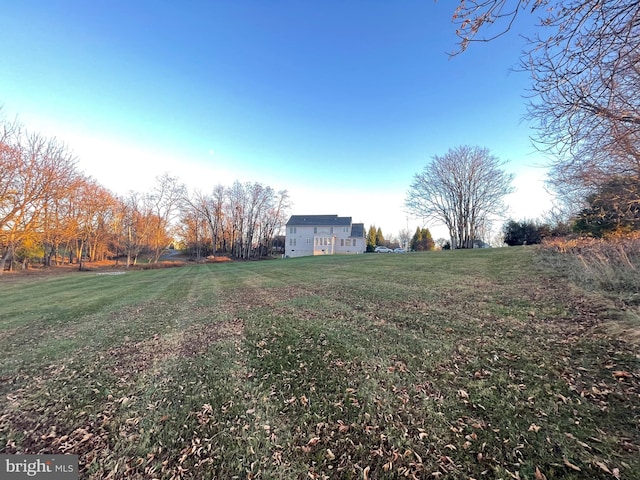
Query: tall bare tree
[242, 220]
[585, 97]
[163, 203]
[95, 208]
[59, 222]
[461, 189]
[193, 231]
[210, 209]
[136, 224]
[34, 171]
[273, 218]
[235, 205]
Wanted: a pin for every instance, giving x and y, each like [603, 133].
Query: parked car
[383, 250]
[399, 250]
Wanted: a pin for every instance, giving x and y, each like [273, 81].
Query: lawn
[466, 364]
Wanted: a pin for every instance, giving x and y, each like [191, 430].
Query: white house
[323, 235]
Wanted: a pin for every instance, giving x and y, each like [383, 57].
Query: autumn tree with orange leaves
[34, 172]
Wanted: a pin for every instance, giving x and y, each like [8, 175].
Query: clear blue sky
[340, 102]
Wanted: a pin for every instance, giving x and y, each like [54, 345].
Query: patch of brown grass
[217, 259]
[130, 359]
[608, 266]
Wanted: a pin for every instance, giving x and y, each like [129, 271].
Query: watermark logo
[46, 467]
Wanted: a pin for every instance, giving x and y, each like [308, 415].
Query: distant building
[323, 235]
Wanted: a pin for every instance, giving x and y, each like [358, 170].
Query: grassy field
[468, 364]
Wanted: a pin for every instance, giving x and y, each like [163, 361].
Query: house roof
[319, 220]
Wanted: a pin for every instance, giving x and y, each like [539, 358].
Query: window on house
[342, 242]
[331, 230]
[315, 229]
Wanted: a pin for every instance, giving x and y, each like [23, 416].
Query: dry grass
[610, 267]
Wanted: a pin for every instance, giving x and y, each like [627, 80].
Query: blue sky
[339, 102]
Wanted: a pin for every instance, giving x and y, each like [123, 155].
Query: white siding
[321, 240]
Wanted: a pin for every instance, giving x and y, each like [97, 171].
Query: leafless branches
[50, 211]
[241, 220]
[585, 93]
[34, 172]
[462, 190]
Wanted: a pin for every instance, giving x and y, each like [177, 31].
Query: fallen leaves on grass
[540, 475]
[567, 463]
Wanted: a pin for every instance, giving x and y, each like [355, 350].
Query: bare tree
[59, 220]
[461, 189]
[192, 230]
[404, 236]
[235, 204]
[244, 218]
[34, 171]
[260, 199]
[94, 210]
[273, 218]
[210, 208]
[585, 97]
[163, 203]
[137, 223]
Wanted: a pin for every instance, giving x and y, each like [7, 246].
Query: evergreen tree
[379, 237]
[422, 240]
[416, 239]
[524, 232]
[371, 239]
[615, 207]
[427, 240]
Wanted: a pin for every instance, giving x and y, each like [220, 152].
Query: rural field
[466, 364]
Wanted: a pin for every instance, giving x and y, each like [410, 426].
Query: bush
[525, 232]
[613, 208]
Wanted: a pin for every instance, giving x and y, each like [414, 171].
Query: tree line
[419, 242]
[613, 209]
[52, 213]
[241, 220]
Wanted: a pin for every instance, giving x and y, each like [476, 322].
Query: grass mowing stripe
[464, 364]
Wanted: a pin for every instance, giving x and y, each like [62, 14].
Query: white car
[399, 250]
[383, 250]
